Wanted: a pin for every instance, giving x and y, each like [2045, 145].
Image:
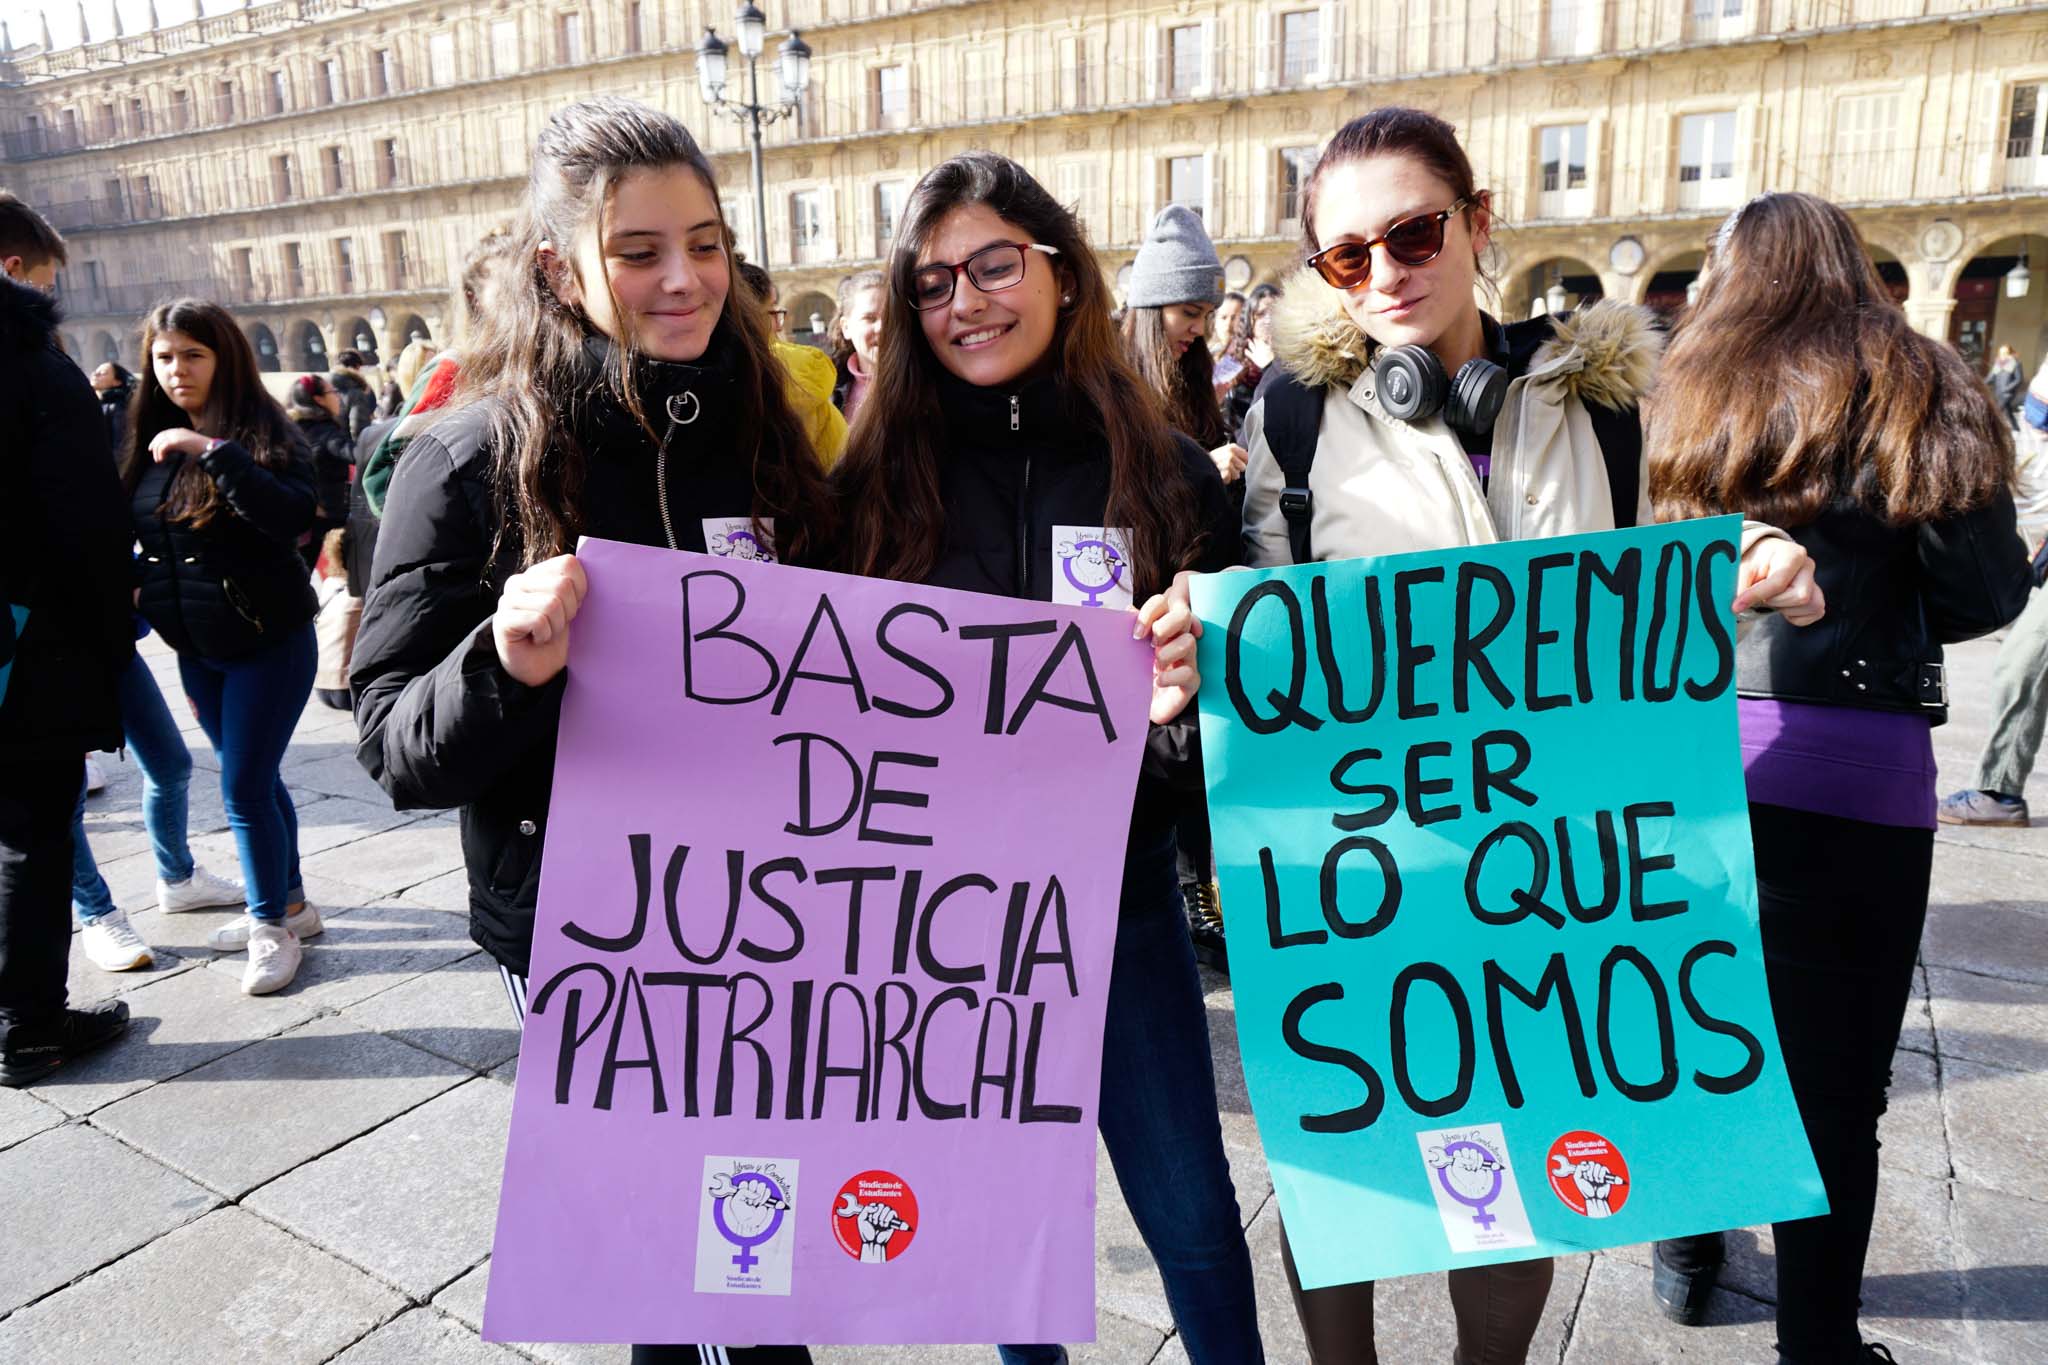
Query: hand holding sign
[1170, 621]
[1777, 574]
[531, 625]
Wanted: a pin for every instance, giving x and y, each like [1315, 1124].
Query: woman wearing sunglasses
[1407, 419]
[1007, 446]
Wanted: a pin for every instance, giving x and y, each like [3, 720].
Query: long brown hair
[1794, 379]
[1183, 382]
[238, 408]
[529, 362]
[888, 479]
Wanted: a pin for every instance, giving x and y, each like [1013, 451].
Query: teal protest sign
[1484, 853]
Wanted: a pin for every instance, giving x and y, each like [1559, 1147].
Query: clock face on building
[1626, 255]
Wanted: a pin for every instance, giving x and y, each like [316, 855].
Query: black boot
[1205, 925]
[1682, 1275]
[32, 1051]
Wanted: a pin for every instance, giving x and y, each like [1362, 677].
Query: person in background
[1255, 349]
[221, 487]
[334, 629]
[1223, 328]
[1821, 410]
[65, 638]
[1175, 285]
[2008, 384]
[856, 338]
[315, 405]
[115, 385]
[1003, 409]
[2019, 682]
[358, 402]
[808, 374]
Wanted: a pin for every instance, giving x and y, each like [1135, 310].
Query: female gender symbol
[1491, 1165]
[1092, 594]
[747, 1260]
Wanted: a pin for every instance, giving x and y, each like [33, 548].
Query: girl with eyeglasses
[1405, 418]
[1006, 446]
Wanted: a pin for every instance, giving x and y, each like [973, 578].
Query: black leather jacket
[1895, 596]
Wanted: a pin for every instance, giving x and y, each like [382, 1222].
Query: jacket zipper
[668, 527]
[1023, 508]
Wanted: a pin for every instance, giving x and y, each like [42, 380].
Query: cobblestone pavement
[313, 1176]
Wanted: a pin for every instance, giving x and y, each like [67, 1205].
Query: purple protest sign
[826, 917]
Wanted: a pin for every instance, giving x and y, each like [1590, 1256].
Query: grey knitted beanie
[1177, 263]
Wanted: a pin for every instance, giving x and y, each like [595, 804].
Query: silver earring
[1066, 299]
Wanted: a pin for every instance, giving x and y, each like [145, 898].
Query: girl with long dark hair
[221, 488]
[623, 315]
[1003, 430]
[1795, 391]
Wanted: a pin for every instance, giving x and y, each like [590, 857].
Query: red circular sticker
[1588, 1174]
[874, 1217]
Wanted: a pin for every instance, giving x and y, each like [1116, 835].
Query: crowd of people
[625, 375]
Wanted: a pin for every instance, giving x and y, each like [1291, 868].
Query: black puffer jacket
[333, 458]
[440, 723]
[1026, 485]
[236, 584]
[1895, 596]
[114, 406]
[64, 540]
[358, 404]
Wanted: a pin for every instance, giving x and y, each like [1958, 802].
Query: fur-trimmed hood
[1604, 353]
[28, 316]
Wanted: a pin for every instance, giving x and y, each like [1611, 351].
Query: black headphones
[1412, 385]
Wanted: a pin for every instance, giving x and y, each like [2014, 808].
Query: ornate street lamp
[794, 65]
[2017, 279]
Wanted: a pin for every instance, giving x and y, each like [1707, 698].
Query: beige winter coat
[1381, 486]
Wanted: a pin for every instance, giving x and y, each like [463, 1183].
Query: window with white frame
[333, 170]
[345, 264]
[981, 93]
[806, 224]
[889, 96]
[1078, 185]
[277, 93]
[441, 58]
[889, 196]
[1706, 160]
[1864, 161]
[397, 260]
[1184, 59]
[1562, 187]
[504, 46]
[331, 89]
[569, 38]
[1078, 82]
[1301, 39]
[283, 181]
[387, 162]
[2026, 138]
[383, 72]
[1187, 182]
[181, 108]
[245, 271]
[1291, 184]
[634, 40]
[1572, 27]
[1716, 18]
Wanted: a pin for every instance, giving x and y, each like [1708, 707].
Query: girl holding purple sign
[621, 388]
[1007, 446]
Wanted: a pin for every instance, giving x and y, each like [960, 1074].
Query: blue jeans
[151, 734]
[1158, 1119]
[248, 708]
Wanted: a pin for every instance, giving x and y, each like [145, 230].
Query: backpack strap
[1293, 421]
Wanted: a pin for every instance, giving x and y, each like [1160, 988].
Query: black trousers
[1841, 906]
[36, 802]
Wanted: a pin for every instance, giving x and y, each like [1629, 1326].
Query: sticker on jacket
[735, 538]
[1091, 566]
[1477, 1195]
[746, 1230]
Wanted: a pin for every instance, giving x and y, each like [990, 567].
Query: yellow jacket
[811, 381]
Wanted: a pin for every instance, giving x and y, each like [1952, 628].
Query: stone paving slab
[257, 1113]
[367, 949]
[71, 1200]
[421, 1336]
[228, 1288]
[2002, 1250]
[464, 1301]
[1988, 1020]
[458, 1012]
[87, 985]
[1912, 1133]
[1996, 1123]
[22, 1116]
[413, 1202]
[176, 1024]
[406, 856]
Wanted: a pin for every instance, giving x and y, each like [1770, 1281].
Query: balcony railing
[372, 278]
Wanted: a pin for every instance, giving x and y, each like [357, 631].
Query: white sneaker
[95, 775]
[233, 936]
[200, 891]
[113, 945]
[274, 957]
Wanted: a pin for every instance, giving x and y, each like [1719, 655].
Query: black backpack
[1294, 419]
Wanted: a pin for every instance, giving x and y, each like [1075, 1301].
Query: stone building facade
[321, 166]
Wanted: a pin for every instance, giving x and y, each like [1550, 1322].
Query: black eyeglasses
[1412, 241]
[991, 269]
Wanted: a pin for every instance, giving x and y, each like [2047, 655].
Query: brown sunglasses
[1412, 241]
